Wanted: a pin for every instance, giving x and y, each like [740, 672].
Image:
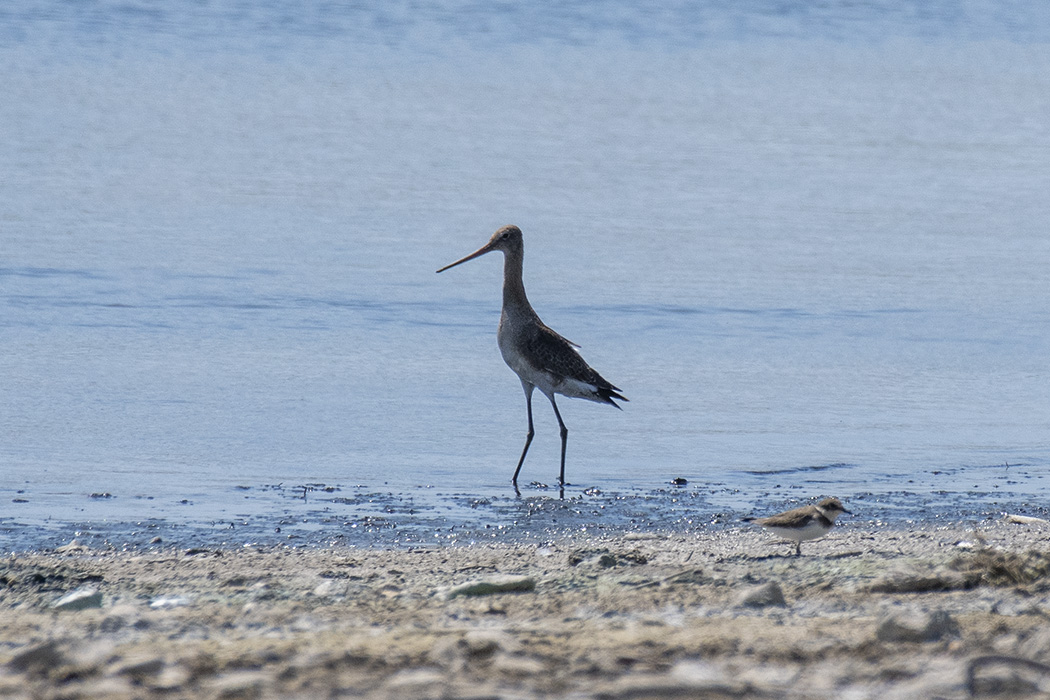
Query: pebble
[244, 685]
[141, 668]
[518, 666]
[763, 596]
[72, 548]
[166, 602]
[105, 689]
[686, 682]
[932, 627]
[37, 658]
[485, 643]
[494, 584]
[1013, 606]
[171, 679]
[475, 645]
[1024, 520]
[917, 582]
[415, 680]
[605, 559]
[81, 599]
[330, 587]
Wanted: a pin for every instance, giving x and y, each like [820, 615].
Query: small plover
[802, 524]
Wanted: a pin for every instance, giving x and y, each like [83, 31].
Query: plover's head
[831, 508]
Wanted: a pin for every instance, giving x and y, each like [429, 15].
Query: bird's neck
[513, 286]
[830, 515]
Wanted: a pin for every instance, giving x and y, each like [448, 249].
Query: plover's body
[802, 524]
[541, 358]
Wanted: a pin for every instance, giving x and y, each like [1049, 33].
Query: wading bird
[802, 524]
[541, 358]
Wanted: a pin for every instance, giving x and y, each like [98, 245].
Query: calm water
[809, 243]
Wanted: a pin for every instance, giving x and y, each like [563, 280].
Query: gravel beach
[870, 611]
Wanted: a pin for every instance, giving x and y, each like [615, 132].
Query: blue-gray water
[810, 242]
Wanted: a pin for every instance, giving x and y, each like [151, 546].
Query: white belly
[811, 531]
[509, 338]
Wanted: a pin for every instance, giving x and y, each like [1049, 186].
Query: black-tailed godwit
[541, 358]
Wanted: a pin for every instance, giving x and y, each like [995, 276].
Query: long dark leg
[528, 438]
[564, 439]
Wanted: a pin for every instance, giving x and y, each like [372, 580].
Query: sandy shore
[864, 613]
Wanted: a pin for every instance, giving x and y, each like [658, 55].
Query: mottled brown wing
[556, 355]
[797, 517]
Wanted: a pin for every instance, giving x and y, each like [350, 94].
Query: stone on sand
[905, 627]
[81, 599]
[762, 596]
[494, 584]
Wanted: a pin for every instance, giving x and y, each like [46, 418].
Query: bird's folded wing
[556, 355]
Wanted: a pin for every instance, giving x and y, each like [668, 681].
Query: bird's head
[831, 508]
[507, 239]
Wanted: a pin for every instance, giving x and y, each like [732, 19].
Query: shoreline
[878, 611]
[326, 515]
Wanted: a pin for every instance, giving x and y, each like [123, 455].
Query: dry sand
[867, 612]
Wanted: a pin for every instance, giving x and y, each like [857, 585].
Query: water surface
[809, 243]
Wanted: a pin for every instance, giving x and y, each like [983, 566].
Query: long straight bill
[477, 253]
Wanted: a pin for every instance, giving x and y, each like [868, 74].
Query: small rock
[932, 627]
[681, 684]
[1024, 520]
[79, 600]
[1014, 606]
[171, 679]
[112, 623]
[87, 657]
[475, 645]
[39, 657]
[390, 590]
[166, 602]
[261, 590]
[100, 688]
[494, 584]
[766, 595]
[518, 666]
[244, 685]
[71, 548]
[695, 575]
[416, 680]
[479, 644]
[697, 673]
[1010, 676]
[606, 559]
[330, 587]
[919, 582]
[142, 668]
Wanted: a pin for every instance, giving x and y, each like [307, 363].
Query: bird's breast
[513, 345]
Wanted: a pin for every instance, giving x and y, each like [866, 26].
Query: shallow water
[809, 243]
